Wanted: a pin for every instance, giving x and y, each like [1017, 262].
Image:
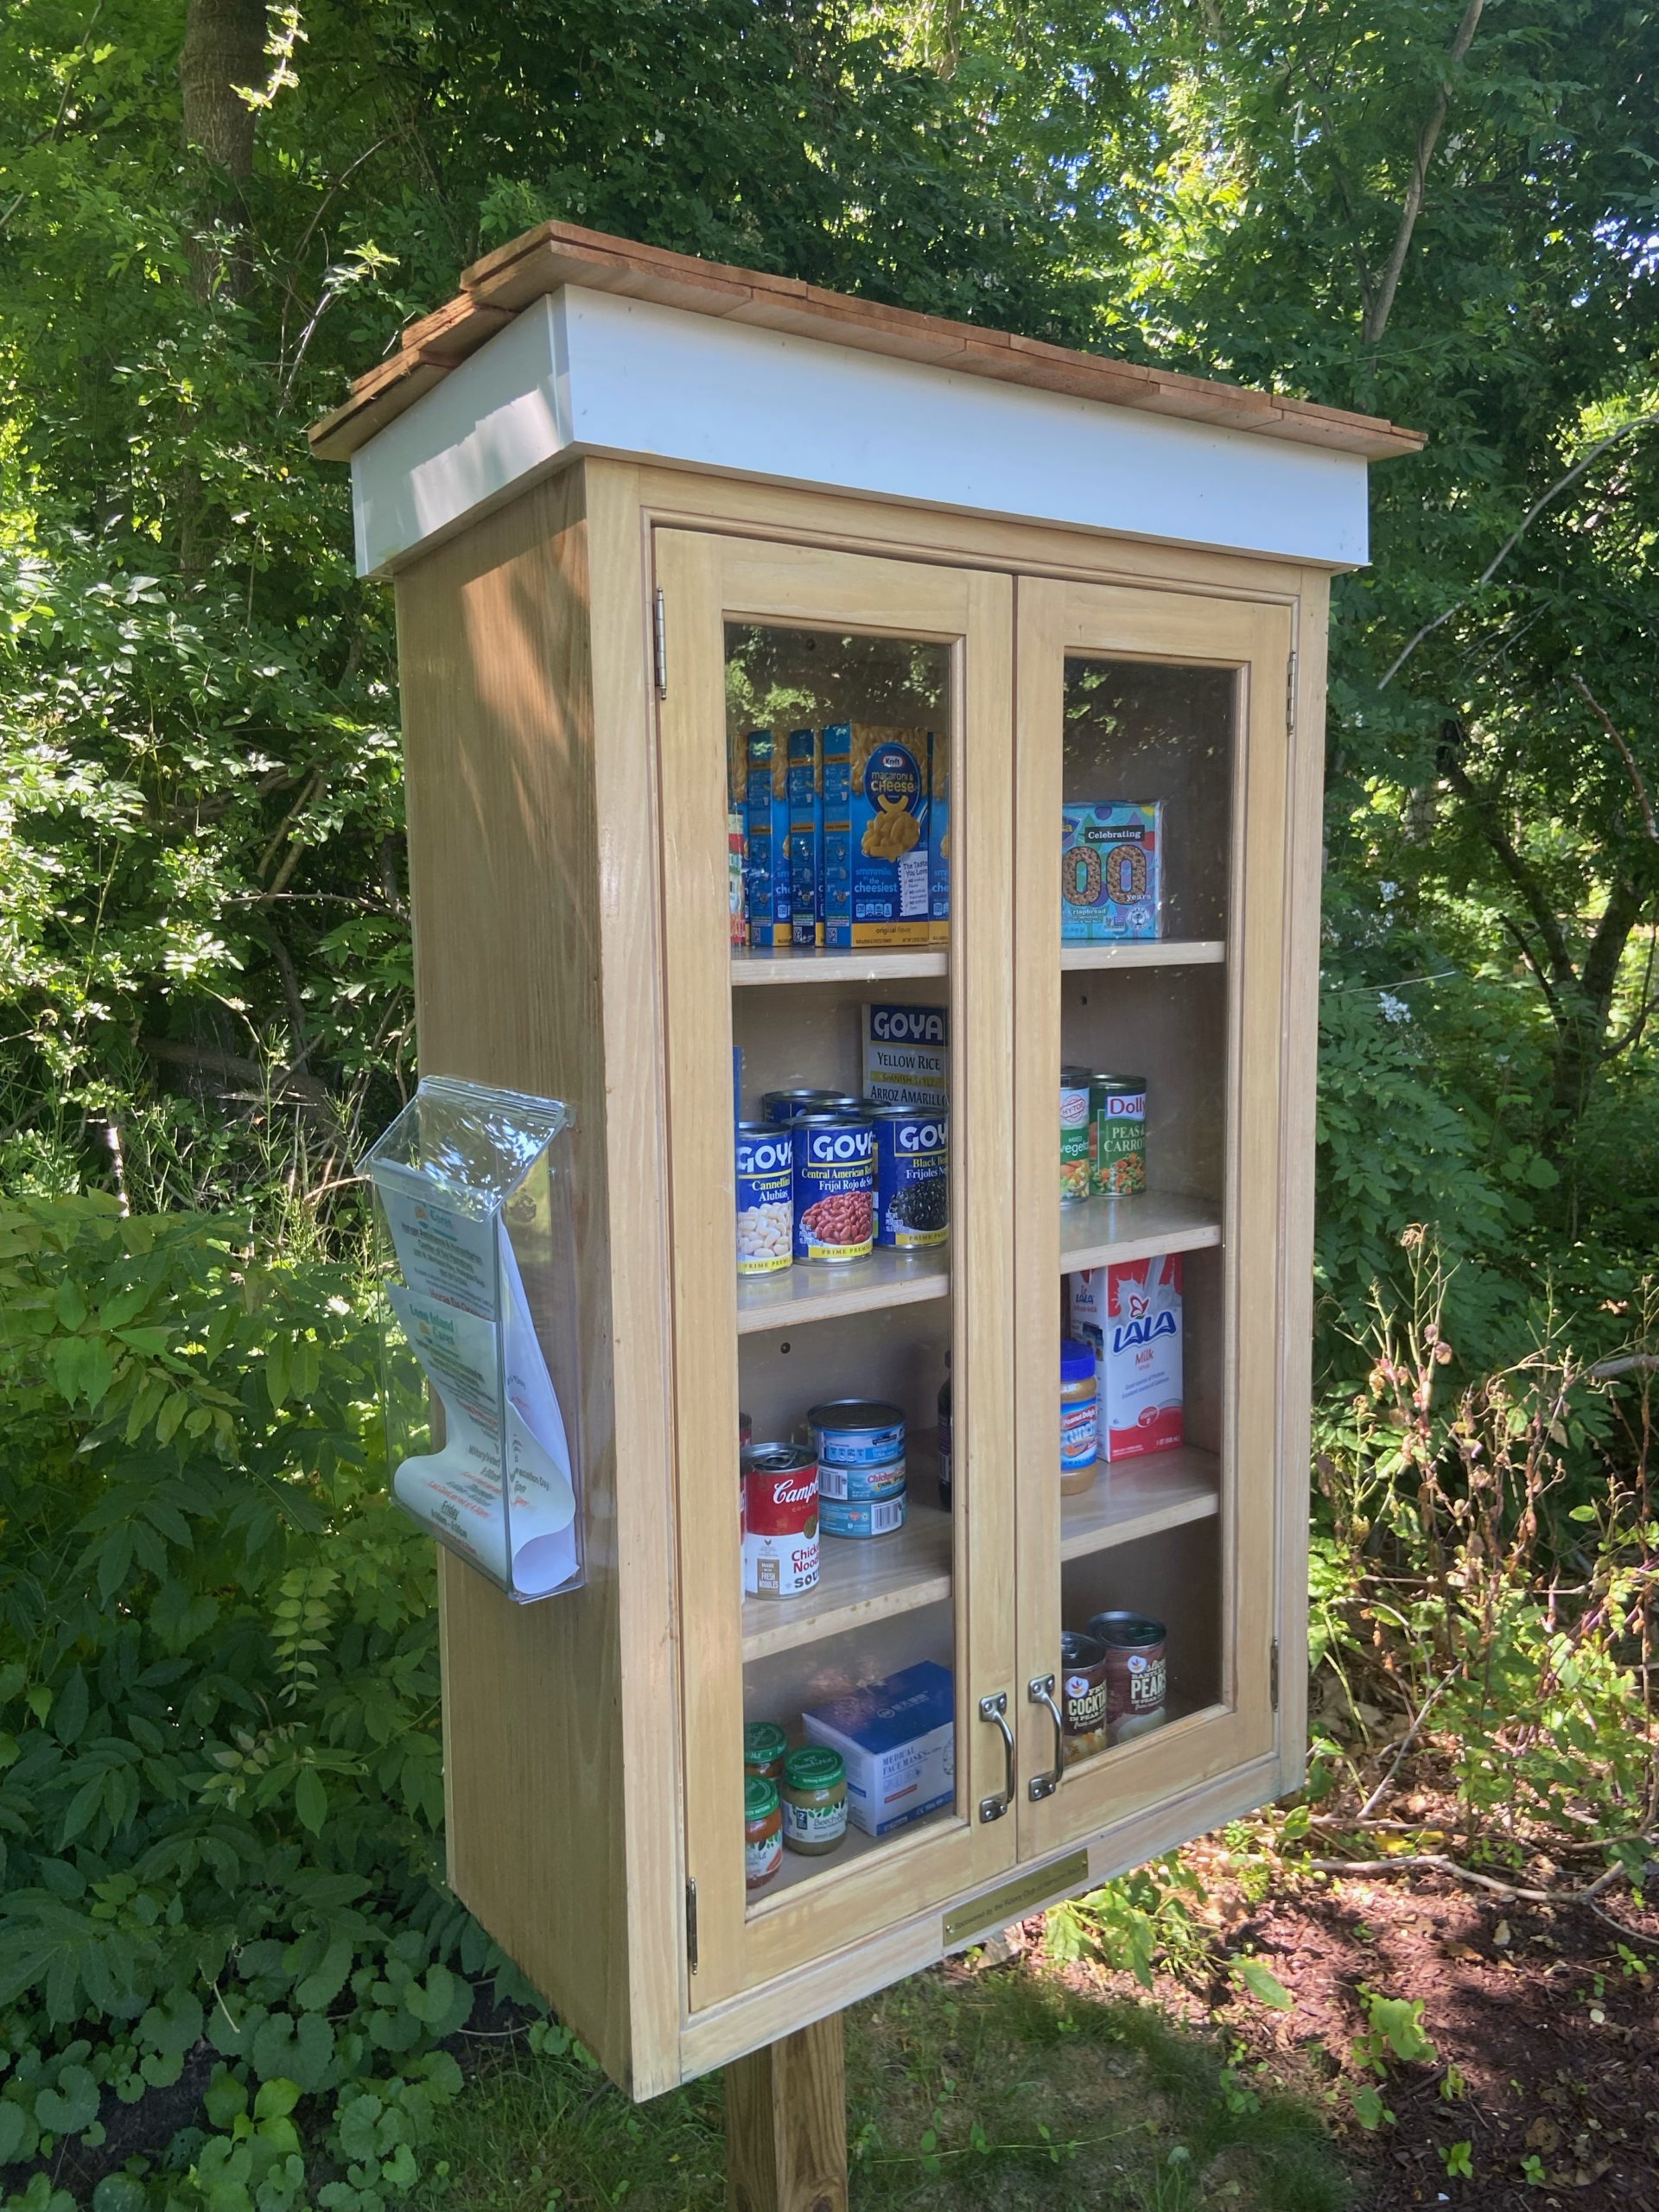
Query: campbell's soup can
[1083, 1693]
[780, 1538]
[1135, 1672]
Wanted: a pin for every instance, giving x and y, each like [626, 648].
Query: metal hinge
[1273, 1675]
[1290, 683]
[691, 1925]
[659, 646]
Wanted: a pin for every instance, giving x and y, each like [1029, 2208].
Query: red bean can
[780, 1540]
[1136, 1669]
[834, 1187]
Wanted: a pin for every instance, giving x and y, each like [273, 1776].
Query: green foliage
[219, 1788]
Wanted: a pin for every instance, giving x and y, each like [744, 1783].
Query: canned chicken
[857, 1432]
[866, 1517]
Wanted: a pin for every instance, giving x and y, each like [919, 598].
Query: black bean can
[913, 1177]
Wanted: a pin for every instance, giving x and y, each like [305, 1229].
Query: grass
[997, 2088]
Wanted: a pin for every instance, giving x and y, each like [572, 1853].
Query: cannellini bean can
[780, 1540]
[766, 1219]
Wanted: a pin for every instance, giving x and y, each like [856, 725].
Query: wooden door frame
[1255, 638]
[706, 579]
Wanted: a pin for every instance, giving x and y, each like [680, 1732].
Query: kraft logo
[763, 1159]
[1143, 1331]
[907, 1025]
[929, 1137]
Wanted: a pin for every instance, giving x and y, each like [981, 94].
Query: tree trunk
[223, 48]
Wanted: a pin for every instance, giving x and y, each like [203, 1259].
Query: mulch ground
[1544, 2019]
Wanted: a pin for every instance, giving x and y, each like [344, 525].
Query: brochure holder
[473, 1208]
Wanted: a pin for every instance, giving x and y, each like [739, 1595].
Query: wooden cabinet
[587, 626]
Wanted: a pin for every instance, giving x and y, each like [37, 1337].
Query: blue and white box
[897, 1738]
[805, 793]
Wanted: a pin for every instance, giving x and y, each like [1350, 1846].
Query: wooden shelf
[860, 1580]
[1163, 952]
[828, 964]
[1139, 1498]
[1102, 1231]
[816, 1290]
[800, 1866]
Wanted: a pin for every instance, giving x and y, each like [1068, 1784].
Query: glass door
[835, 766]
[1151, 781]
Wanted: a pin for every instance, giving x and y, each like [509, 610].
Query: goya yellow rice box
[876, 844]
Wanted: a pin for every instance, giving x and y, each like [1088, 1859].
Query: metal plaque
[997, 1908]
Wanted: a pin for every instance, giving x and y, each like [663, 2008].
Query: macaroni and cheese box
[907, 1056]
[1131, 1313]
[805, 793]
[875, 850]
[938, 836]
[1111, 872]
[897, 1738]
[768, 867]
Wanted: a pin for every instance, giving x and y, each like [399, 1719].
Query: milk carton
[907, 1056]
[897, 1739]
[1131, 1313]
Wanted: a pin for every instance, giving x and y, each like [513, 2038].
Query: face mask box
[1131, 1313]
[875, 849]
[898, 1740]
[768, 835]
[907, 1056]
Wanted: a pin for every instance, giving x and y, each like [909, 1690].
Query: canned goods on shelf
[857, 1432]
[913, 1177]
[1083, 1695]
[1074, 1136]
[790, 1105]
[833, 1186]
[766, 1214]
[781, 1541]
[1117, 1134]
[866, 1517]
[1136, 1672]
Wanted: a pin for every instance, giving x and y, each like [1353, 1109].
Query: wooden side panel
[1304, 872]
[498, 710]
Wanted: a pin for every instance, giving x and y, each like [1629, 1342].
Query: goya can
[1074, 1135]
[864, 1517]
[766, 1216]
[1084, 1692]
[790, 1105]
[780, 1540]
[1136, 1670]
[835, 1187]
[913, 1177]
[1117, 1134]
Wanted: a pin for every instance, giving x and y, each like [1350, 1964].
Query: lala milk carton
[806, 795]
[768, 839]
[897, 1739]
[907, 1056]
[875, 850]
[1131, 1313]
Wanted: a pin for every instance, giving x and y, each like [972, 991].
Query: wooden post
[786, 2124]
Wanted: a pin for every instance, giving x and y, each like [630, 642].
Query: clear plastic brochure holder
[473, 1203]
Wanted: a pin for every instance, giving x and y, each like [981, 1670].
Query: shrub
[220, 1794]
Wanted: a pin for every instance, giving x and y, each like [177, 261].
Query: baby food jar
[815, 1800]
[763, 1831]
[764, 1749]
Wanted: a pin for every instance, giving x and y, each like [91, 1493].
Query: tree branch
[1376, 318]
[1626, 430]
[1544, 920]
[1624, 752]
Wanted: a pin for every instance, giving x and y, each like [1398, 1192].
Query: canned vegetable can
[1117, 1134]
[1136, 1670]
[1074, 1137]
[834, 1187]
[765, 1218]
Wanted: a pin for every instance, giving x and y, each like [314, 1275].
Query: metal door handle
[996, 1710]
[1040, 1690]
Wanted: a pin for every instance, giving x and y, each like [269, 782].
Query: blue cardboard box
[898, 1737]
